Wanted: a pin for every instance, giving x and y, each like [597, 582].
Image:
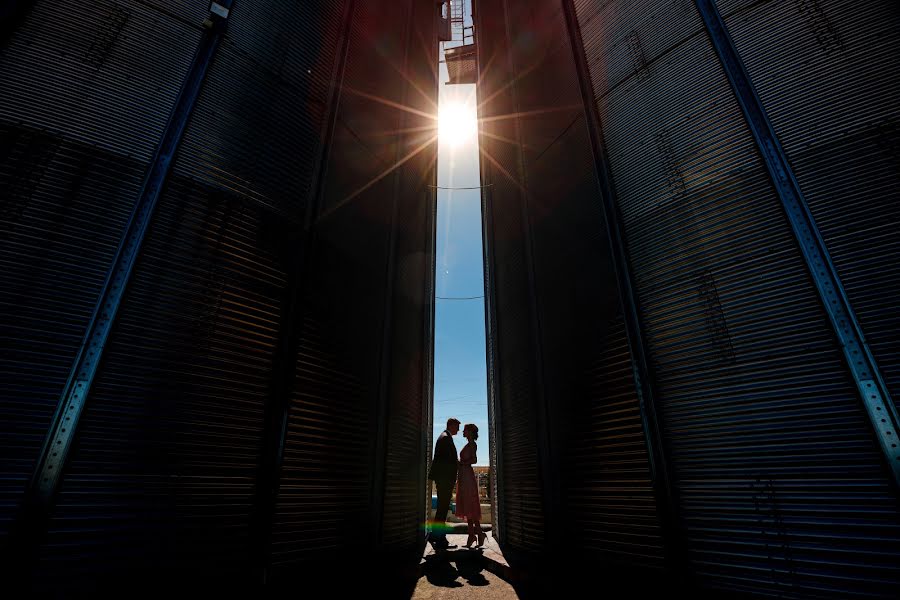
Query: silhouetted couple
[445, 467]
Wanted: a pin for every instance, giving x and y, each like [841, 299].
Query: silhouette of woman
[468, 504]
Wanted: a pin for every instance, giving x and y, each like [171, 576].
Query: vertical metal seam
[861, 363]
[549, 485]
[268, 483]
[674, 539]
[57, 444]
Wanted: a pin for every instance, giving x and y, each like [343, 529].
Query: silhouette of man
[443, 473]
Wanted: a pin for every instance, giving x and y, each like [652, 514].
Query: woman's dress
[468, 504]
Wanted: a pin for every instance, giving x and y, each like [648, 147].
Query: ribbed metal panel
[162, 474]
[262, 158]
[276, 35]
[189, 11]
[365, 134]
[324, 492]
[357, 217]
[164, 468]
[163, 471]
[607, 474]
[400, 411]
[622, 40]
[521, 506]
[325, 497]
[77, 129]
[369, 332]
[598, 476]
[616, 467]
[49, 186]
[522, 503]
[842, 144]
[277, 56]
[76, 72]
[403, 515]
[411, 328]
[781, 483]
[606, 492]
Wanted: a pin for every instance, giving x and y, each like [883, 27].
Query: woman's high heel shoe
[470, 540]
[481, 537]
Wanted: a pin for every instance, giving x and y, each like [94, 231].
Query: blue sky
[460, 380]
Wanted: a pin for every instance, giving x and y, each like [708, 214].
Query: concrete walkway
[464, 573]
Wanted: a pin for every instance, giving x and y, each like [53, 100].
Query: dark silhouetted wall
[262, 392]
[772, 480]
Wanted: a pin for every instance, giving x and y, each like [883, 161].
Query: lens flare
[457, 123]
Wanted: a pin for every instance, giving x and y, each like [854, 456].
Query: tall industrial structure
[690, 214]
[216, 293]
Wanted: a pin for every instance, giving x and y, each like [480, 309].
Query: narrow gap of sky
[460, 372]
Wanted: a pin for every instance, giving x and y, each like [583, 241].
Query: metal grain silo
[745, 171]
[194, 301]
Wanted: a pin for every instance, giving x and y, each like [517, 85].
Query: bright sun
[456, 123]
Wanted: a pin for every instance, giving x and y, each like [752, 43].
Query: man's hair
[451, 421]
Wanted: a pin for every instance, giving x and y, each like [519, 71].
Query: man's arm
[445, 452]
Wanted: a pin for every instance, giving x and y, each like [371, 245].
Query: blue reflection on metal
[58, 442]
[862, 365]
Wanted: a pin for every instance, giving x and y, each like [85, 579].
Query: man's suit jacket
[444, 464]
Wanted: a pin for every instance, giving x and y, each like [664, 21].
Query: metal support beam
[863, 368]
[57, 444]
[674, 539]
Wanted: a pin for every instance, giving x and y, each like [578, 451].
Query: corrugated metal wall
[521, 509]
[409, 394]
[781, 485]
[595, 494]
[836, 114]
[371, 271]
[165, 472]
[772, 450]
[76, 139]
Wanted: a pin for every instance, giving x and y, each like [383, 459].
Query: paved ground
[464, 573]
